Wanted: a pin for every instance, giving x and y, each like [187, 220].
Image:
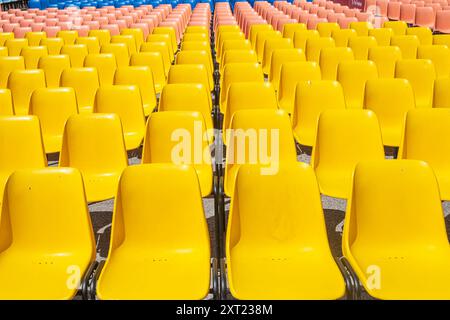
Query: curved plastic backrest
[385, 59]
[106, 66]
[85, 83]
[330, 59]
[22, 83]
[76, 53]
[7, 65]
[119, 50]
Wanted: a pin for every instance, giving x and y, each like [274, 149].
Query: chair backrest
[53, 66]
[315, 45]
[385, 59]
[106, 66]
[270, 45]
[398, 27]
[21, 146]
[119, 50]
[103, 36]
[361, 45]
[155, 62]
[279, 57]
[7, 65]
[22, 83]
[408, 44]
[353, 76]
[126, 102]
[361, 27]
[382, 35]
[85, 83]
[424, 34]
[441, 98]
[390, 99]
[126, 39]
[15, 46]
[69, 36]
[342, 36]
[53, 106]
[45, 211]
[312, 98]
[421, 74]
[439, 55]
[302, 36]
[92, 44]
[325, 29]
[330, 59]
[54, 45]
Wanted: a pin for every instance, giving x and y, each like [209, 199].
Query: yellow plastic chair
[407, 44]
[120, 52]
[93, 143]
[330, 59]
[21, 147]
[126, 39]
[54, 45]
[315, 45]
[178, 267]
[238, 56]
[53, 106]
[189, 73]
[361, 27]
[325, 29]
[228, 45]
[6, 36]
[424, 34]
[342, 36]
[103, 36]
[68, 36]
[439, 55]
[353, 76]
[238, 72]
[291, 74]
[302, 36]
[385, 59]
[3, 52]
[22, 83]
[280, 57]
[290, 28]
[53, 66]
[382, 35]
[188, 37]
[162, 48]
[270, 46]
[46, 221]
[398, 27]
[7, 65]
[254, 30]
[197, 57]
[312, 98]
[261, 137]
[137, 34]
[106, 66]
[424, 139]
[441, 39]
[34, 38]
[355, 136]
[361, 45]
[247, 95]
[196, 30]
[32, 55]
[6, 105]
[226, 37]
[162, 38]
[441, 98]
[376, 219]
[126, 102]
[15, 46]
[390, 99]
[176, 130]
[421, 74]
[92, 44]
[85, 83]
[76, 53]
[261, 39]
[171, 32]
[278, 221]
[155, 62]
[199, 46]
[187, 97]
[140, 76]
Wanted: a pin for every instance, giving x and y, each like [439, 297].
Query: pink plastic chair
[83, 31]
[93, 25]
[333, 17]
[51, 22]
[425, 17]
[51, 31]
[37, 26]
[363, 16]
[382, 7]
[393, 10]
[408, 13]
[9, 27]
[19, 32]
[143, 26]
[101, 20]
[349, 12]
[313, 21]
[113, 29]
[345, 22]
[443, 21]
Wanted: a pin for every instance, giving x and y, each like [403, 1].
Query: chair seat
[133, 139]
[301, 273]
[37, 276]
[418, 273]
[146, 273]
